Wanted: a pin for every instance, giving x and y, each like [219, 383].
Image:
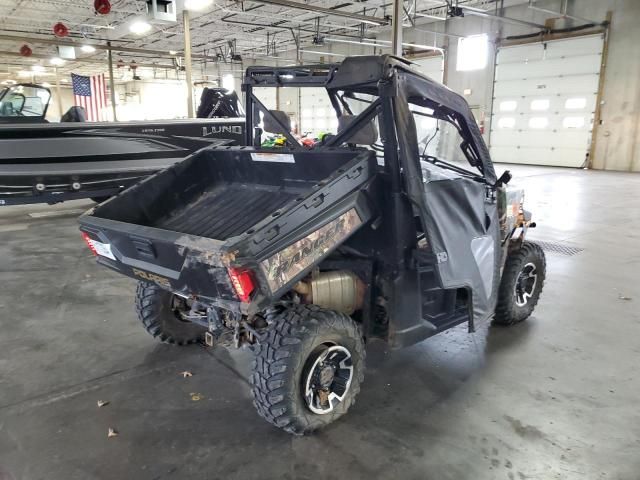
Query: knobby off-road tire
[521, 285]
[156, 310]
[286, 357]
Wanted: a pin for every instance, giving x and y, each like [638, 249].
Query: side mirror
[504, 178]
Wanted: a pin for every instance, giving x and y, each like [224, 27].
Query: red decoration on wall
[25, 50]
[102, 7]
[60, 30]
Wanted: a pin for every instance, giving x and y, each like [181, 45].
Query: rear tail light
[243, 284]
[89, 242]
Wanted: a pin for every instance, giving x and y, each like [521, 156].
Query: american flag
[90, 93]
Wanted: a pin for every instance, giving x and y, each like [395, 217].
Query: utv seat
[75, 114]
[273, 127]
[367, 134]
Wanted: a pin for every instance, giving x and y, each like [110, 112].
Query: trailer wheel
[521, 284]
[307, 368]
[158, 310]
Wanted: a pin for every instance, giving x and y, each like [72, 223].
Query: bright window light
[139, 27]
[473, 52]
[540, 104]
[306, 113]
[228, 82]
[507, 122]
[428, 123]
[508, 105]
[320, 112]
[538, 122]
[577, 103]
[87, 49]
[321, 123]
[573, 122]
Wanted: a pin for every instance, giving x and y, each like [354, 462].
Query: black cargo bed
[226, 210]
[224, 192]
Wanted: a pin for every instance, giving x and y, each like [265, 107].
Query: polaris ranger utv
[307, 253]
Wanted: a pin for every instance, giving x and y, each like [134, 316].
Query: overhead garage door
[544, 100]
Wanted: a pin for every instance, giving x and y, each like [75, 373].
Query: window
[473, 52]
[228, 82]
[540, 104]
[576, 103]
[573, 122]
[438, 139]
[538, 122]
[507, 122]
[306, 113]
[508, 105]
[24, 101]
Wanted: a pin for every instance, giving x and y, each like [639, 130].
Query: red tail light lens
[89, 242]
[243, 283]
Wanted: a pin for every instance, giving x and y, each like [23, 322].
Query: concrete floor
[553, 398]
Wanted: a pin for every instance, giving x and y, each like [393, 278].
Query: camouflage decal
[509, 203]
[281, 267]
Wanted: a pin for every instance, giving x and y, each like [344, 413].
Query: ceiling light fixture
[139, 27]
[87, 48]
[37, 68]
[57, 61]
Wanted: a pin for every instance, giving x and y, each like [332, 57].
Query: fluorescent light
[173, 52]
[139, 27]
[57, 61]
[25, 73]
[473, 53]
[46, 85]
[37, 68]
[197, 4]
[318, 52]
[87, 49]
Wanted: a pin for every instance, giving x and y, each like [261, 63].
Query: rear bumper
[151, 255]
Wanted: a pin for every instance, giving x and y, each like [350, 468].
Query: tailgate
[177, 262]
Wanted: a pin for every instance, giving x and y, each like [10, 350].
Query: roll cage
[393, 84]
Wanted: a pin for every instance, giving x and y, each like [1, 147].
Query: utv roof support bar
[267, 113]
[365, 117]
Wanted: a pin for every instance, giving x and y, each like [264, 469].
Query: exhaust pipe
[339, 290]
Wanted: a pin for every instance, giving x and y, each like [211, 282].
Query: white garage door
[433, 67]
[316, 112]
[544, 100]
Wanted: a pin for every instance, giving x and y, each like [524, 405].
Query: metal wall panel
[433, 67]
[544, 101]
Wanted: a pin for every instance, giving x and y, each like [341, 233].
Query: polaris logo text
[151, 277]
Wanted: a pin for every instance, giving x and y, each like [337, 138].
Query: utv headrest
[272, 127]
[367, 134]
[75, 114]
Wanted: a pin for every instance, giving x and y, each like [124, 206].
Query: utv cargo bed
[182, 228]
[237, 207]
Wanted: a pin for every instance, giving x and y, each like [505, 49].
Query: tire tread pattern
[506, 308]
[280, 355]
